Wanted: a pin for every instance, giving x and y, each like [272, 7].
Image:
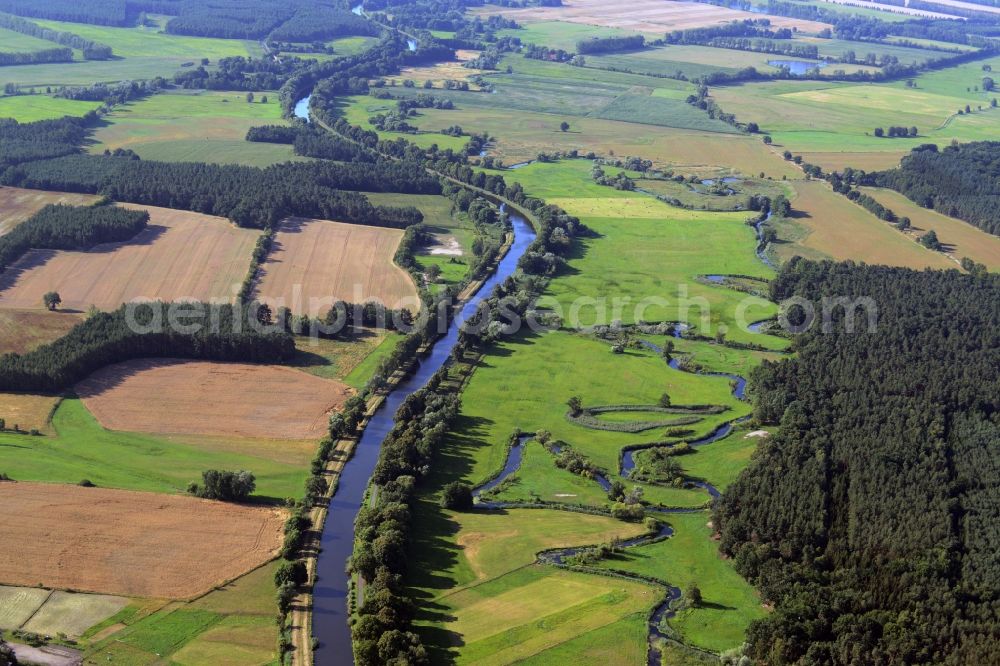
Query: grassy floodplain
[522, 385]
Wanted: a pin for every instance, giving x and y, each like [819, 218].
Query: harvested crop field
[845, 231]
[179, 256]
[169, 396]
[24, 330]
[316, 262]
[27, 411]
[644, 15]
[129, 543]
[17, 204]
[443, 71]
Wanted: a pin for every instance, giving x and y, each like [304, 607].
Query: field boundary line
[35, 612]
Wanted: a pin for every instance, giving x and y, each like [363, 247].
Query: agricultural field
[444, 71]
[24, 330]
[215, 399]
[179, 256]
[565, 35]
[960, 238]
[201, 126]
[127, 543]
[15, 42]
[314, 263]
[641, 16]
[17, 204]
[26, 412]
[829, 224]
[29, 108]
[140, 53]
[82, 449]
[788, 111]
[484, 591]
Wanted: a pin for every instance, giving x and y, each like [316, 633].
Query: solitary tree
[457, 496]
[249, 98]
[665, 399]
[564, 126]
[575, 405]
[52, 300]
[263, 99]
[694, 596]
[879, 131]
[433, 272]
[767, 140]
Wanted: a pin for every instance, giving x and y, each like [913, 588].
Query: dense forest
[140, 331]
[24, 142]
[318, 23]
[610, 44]
[59, 227]
[310, 141]
[962, 181]
[100, 12]
[249, 196]
[871, 519]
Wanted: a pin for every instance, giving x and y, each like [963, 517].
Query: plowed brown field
[168, 396]
[315, 262]
[180, 255]
[17, 205]
[129, 543]
[644, 15]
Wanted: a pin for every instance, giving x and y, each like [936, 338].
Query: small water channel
[798, 67]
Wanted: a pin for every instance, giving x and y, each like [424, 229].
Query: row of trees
[249, 196]
[240, 73]
[57, 54]
[91, 50]
[869, 520]
[59, 227]
[220, 333]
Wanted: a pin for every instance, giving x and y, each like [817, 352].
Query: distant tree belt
[249, 196]
[350, 74]
[25, 142]
[106, 338]
[316, 23]
[60, 227]
[100, 12]
[311, 142]
[871, 519]
[610, 44]
[960, 181]
[60, 54]
[91, 50]
[240, 73]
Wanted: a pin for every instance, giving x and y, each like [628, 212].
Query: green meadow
[203, 126]
[357, 109]
[140, 53]
[562, 34]
[82, 449]
[15, 42]
[624, 258]
[690, 557]
[29, 108]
